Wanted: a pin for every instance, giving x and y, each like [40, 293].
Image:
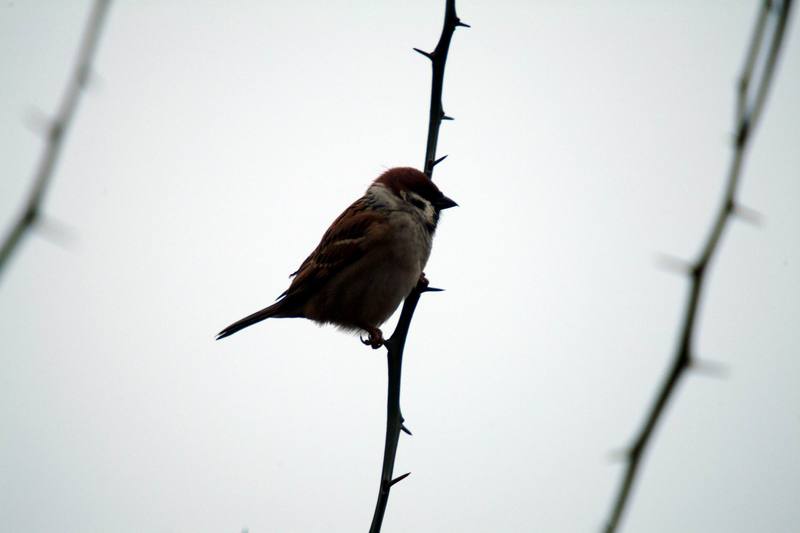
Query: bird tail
[274, 310]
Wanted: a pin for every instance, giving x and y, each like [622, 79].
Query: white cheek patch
[383, 196]
[430, 213]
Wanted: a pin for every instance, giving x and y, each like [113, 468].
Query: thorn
[708, 368]
[747, 214]
[405, 430]
[432, 289]
[55, 131]
[439, 160]
[698, 269]
[399, 478]
[619, 455]
[462, 24]
[673, 264]
[445, 117]
[426, 54]
[729, 206]
[31, 215]
[56, 232]
[95, 81]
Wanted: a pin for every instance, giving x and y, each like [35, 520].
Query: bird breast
[395, 267]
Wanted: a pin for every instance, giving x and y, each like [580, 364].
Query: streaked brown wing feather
[343, 244]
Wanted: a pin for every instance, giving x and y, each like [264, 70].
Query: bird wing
[345, 242]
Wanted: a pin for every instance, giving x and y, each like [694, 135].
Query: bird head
[417, 190]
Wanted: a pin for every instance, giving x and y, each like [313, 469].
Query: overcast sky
[216, 143]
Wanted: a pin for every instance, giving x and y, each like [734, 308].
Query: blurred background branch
[30, 214]
[752, 89]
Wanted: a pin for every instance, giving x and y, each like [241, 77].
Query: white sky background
[219, 140]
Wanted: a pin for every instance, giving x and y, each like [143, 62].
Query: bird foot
[375, 338]
[423, 281]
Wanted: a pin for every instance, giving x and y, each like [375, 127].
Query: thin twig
[396, 343]
[31, 212]
[750, 60]
[746, 120]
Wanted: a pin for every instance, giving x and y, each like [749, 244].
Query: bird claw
[423, 281]
[375, 338]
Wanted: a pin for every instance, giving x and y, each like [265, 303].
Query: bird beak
[444, 203]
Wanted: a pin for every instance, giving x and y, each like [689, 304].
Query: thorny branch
[31, 212]
[750, 102]
[396, 343]
[438, 60]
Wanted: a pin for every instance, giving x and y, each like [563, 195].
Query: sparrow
[368, 261]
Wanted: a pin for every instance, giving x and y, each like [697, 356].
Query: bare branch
[396, 343]
[750, 60]
[438, 60]
[394, 418]
[746, 119]
[31, 212]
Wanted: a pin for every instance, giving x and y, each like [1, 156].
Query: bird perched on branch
[368, 261]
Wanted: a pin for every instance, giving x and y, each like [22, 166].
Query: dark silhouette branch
[31, 212]
[438, 60]
[396, 343]
[394, 419]
[748, 113]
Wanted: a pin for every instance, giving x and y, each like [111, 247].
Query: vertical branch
[747, 117]
[396, 343]
[438, 60]
[394, 419]
[58, 128]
